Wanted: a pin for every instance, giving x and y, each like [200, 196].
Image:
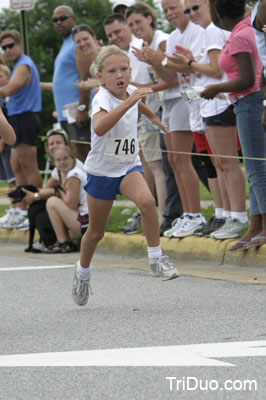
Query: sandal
[60, 247]
[240, 244]
[257, 241]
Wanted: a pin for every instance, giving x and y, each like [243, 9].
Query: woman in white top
[67, 209]
[141, 19]
[177, 116]
[113, 166]
[220, 119]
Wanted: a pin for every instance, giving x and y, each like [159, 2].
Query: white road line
[36, 268]
[186, 355]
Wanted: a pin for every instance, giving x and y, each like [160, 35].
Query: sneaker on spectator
[133, 226]
[230, 230]
[162, 267]
[175, 225]
[212, 225]
[14, 220]
[80, 289]
[24, 225]
[188, 226]
[5, 218]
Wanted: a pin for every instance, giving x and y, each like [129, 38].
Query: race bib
[121, 150]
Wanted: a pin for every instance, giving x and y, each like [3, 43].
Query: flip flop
[240, 244]
[257, 241]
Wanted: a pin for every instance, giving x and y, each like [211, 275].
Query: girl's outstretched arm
[6, 130]
[103, 121]
[149, 114]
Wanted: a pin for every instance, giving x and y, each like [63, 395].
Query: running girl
[114, 167]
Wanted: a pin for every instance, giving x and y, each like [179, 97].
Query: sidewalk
[189, 248]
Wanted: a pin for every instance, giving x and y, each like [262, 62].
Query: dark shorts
[76, 133]
[84, 221]
[105, 188]
[226, 118]
[26, 127]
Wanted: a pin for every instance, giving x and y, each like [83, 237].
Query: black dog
[38, 218]
[18, 194]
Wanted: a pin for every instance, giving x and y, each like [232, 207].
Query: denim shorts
[104, 187]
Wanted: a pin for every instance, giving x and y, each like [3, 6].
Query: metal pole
[23, 23]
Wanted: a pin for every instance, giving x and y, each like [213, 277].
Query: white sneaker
[175, 225]
[24, 225]
[162, 267]
[230, 230]
[5, 218]
[80, 289]
[189, 226]
[14, 220]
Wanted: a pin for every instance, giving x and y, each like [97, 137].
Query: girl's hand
[139, 94]
[209, 92]
[264, 28]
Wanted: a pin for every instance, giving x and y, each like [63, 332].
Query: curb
[189, 248]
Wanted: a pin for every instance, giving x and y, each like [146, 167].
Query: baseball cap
[126, 3]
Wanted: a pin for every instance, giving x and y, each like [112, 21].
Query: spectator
[70, 66]
[67, 209]
[23, 107]
[141, 20]
[240, 60]
[220, 119]
[120, 7]
[178, 118]
[85, 41]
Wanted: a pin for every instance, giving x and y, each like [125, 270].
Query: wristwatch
[82, 107]
[37, 196]
[164, 62]
[188, 66]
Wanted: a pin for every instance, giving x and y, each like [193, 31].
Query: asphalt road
[138, 337]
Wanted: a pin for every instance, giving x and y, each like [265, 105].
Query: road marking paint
[36, 268]
[186, 355]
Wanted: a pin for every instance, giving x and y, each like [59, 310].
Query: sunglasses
[188, 10]
[8, 46]
[62, 18]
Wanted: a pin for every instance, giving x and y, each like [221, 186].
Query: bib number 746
[121, 149]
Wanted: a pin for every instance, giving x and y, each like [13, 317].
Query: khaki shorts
[149, 140]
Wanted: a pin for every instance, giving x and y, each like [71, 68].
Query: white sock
[242, 217]
[219, 213]
[154, 252]
[84, 273]
[226, 214]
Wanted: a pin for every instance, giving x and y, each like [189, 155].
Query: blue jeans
[253, 143]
